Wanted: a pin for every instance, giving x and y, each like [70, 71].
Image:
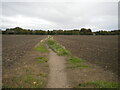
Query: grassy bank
[98, 84]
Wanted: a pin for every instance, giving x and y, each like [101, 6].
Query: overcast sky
[60, 15]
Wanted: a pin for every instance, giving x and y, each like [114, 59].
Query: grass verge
[99, 84]
[59, 49]
[41, 47]
[76, 62]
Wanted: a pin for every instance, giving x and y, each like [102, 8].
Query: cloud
[60, 15]
[25, 22]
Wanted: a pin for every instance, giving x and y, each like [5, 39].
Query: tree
[85, 31]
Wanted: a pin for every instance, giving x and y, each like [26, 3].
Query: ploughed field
[15, 46]
[99, 50]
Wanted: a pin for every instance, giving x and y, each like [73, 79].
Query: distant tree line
[82, 31]
[113, 32]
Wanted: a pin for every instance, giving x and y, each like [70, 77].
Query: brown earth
[99, 50]
[24, 71]
[15, 46]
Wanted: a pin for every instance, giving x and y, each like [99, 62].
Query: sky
[66, 15]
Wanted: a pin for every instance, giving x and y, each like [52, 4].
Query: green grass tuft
[42, 59]
[99, 84]
[76, 62]
[51, 42]
[41, 48]
[60, 50]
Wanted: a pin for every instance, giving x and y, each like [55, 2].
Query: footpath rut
[57, 76]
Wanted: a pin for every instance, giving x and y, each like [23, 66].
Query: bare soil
[99, 50]
[15, 46]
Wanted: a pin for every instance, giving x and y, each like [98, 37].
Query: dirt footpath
[57, 76]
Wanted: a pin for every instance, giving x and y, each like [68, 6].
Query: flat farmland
[15, 46]
[36, 61]
[99, 50]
